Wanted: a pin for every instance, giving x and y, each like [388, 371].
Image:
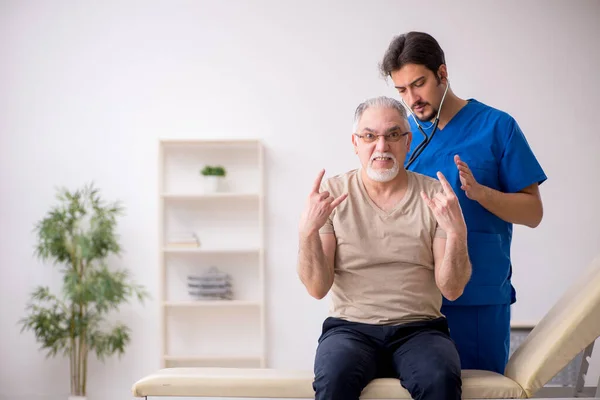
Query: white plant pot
[212, 184]
[77, 398]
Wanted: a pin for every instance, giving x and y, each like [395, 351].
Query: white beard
[382, 175]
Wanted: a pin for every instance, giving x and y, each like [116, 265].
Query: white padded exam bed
[570, 327]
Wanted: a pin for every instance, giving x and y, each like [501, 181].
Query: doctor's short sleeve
[518, 167]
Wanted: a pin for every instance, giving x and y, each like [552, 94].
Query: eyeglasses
[390, 137]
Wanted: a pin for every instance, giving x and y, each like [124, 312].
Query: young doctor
[487, 160]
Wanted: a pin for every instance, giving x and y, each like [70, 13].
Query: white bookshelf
[229, 225]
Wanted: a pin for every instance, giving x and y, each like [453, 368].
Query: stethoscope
[427, 139]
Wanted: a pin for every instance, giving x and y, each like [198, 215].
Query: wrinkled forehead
[382, 120]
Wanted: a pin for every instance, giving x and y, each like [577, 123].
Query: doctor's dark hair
[412, 48]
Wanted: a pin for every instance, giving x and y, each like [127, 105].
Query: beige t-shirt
[384, 269]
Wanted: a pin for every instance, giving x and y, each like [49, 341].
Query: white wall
[87, 88]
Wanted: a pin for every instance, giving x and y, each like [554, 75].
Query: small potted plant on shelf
[79, 235]
[213, 176]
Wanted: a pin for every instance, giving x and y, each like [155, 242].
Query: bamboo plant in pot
[79, 234]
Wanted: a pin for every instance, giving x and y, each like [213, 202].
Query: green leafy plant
[80, 234]
[209, 170]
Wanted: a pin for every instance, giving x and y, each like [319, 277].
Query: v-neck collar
[458, 115]
[399, 208]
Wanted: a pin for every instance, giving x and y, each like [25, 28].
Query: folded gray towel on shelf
[212, 285]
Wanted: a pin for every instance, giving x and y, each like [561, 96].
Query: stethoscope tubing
[427, 139]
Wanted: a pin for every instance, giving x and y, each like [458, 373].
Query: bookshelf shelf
[200, 250]
[213, 358]
[211, 253]
[209, 196]
[211, 303]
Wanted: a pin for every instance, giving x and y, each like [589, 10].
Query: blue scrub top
[495, 149]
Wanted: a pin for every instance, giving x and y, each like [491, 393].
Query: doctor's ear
[443, 74]
[443, 78]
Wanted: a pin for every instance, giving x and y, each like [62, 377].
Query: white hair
[381, 101]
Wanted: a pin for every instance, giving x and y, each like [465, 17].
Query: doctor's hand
[472, 188]
[446, 208]
[319, 206]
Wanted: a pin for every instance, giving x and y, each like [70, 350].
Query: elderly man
[387, 244]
